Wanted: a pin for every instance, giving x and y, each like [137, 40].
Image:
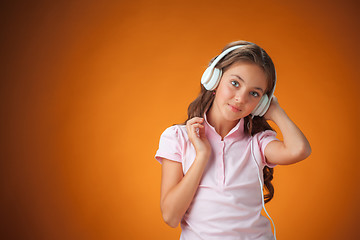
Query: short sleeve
[263, 139]
[170, 145]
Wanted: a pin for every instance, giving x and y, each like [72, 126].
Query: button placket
[221, 167]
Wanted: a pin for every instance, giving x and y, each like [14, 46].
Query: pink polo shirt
[228, 202]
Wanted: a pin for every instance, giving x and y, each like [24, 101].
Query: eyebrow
[257, 88]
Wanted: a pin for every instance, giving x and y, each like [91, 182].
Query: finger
[192, 123]
[195, 120]
[197, 125]
[197, 132]
[274, 99]
[194, 126]
[195, 129]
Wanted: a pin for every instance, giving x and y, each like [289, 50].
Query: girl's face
[240, 89]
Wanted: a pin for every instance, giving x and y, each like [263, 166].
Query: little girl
[214, 167]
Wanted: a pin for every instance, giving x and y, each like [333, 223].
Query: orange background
[87, 89]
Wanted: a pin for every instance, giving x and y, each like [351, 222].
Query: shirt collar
[238, 130]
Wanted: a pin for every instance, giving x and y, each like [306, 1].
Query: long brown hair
[250, 52]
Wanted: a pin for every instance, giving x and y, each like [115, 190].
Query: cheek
[255, 103]
[225, 93]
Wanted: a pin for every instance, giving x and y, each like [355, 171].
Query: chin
[234, 118]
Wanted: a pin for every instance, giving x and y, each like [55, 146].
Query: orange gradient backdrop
[88, 87]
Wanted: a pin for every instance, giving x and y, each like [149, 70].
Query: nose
[241, 97]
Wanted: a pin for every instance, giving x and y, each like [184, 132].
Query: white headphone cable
[261, 186]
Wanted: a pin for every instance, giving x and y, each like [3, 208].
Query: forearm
[179, 198]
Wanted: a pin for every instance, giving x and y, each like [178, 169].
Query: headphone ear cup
[216, 77]
[262, 106]
[206, 76]
[211, 78]
[267, 105]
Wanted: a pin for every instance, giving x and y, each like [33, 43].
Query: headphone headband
[224, 53]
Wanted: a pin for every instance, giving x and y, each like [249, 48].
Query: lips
[234, 108]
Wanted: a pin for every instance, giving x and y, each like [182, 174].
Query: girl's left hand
[274, 107]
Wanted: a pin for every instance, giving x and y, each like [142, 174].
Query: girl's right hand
[196, 134]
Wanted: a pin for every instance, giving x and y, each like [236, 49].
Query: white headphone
[211, 78]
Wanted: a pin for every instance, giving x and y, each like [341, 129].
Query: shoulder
[175, 131]
[265, 134]
[262, 139]
[172, 143]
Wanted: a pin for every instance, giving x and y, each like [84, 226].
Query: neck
[221, 125]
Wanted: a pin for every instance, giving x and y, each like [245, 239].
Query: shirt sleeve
[170, 145]
[262, 140]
